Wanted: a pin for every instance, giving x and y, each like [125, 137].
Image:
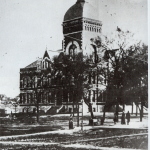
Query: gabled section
[46, 55]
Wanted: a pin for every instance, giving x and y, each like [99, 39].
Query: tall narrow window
[41, 98]
[23, 98]
[26, 98]
[29, 82]
[20, 98]
[29, 98]
[21, 83]
[49, 81]
[93, 96]
[90, 78]
[43, 65]
[49, 97]
[93, 77]
[25, 82]
[35, 100]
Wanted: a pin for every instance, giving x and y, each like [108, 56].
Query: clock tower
[79, 26]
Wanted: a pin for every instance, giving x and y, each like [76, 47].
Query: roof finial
[46, 48]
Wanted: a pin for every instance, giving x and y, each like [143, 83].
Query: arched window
[72, 50]
[34, 82]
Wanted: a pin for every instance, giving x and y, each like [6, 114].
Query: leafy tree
[136, 81]
[74, 77]
[127, 69]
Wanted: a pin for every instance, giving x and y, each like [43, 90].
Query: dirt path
[40, 133]
[105, 138]
[71, 142]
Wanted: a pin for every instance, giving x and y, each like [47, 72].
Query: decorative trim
[73, 33]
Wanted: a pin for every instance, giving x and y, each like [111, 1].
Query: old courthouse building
[39, 81]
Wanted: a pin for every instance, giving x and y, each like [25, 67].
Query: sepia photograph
[74, 75]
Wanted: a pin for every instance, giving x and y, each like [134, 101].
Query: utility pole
[77, 114]
[82, 116]
[37, 106]
[141, 97]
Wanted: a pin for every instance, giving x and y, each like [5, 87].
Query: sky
[27, 27]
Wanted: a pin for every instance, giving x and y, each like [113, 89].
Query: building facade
[41, 85]
[36, 84]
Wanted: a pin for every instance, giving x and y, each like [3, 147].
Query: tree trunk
[37, 106]
[104, 112]
[103, 118]
[132, 107]
[78, 115]
[117, 110]
[92, 115]
[141, 112]
[74, 103]
[123, 107]
[136, 110]
[91, 111]
[73, 109]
